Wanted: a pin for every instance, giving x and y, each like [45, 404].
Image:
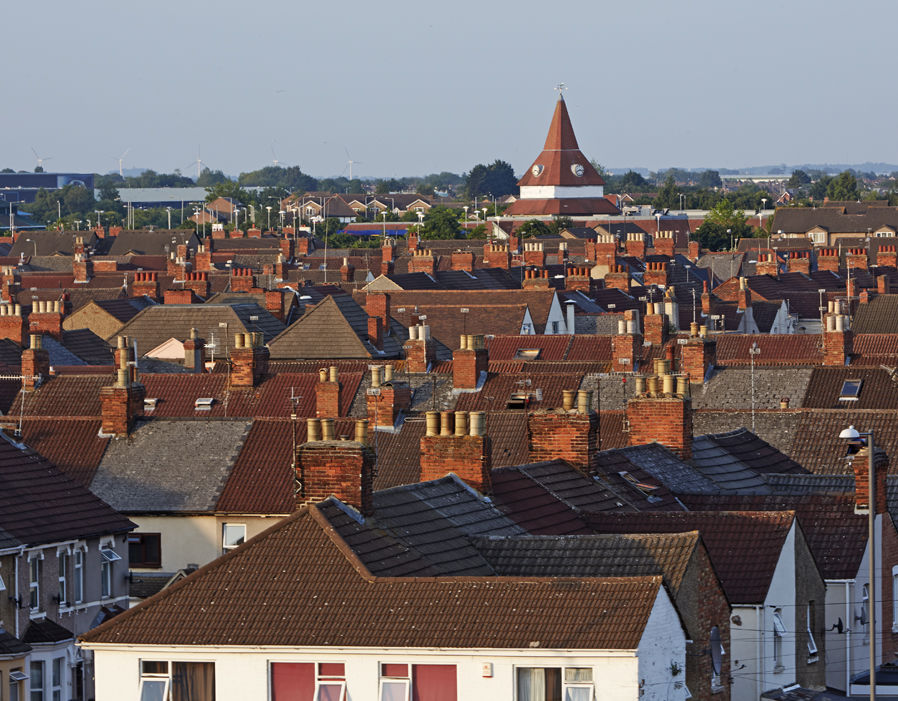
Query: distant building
[22, 188]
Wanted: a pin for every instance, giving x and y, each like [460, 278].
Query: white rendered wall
[662, 647]
[550, 192]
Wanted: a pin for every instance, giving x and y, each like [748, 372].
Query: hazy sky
[412, 88]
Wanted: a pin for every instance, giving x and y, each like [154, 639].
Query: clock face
[577, 170]
[537, 170]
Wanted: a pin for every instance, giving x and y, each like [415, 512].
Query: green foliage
[798, 179]
[209, 178]
[818, 188]
[668, 196]
[478, 232]
[723, 225]
[631, 181]
[149, 178]
[440, 223]
[843, 187]
[230, 189]
[291, 178]
[532, 227]
[496, 179]
[76, 202]
[709, 178]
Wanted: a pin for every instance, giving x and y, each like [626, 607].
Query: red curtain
[292, 681]
[434, 682]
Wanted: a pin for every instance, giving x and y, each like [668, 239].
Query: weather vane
[561, 87]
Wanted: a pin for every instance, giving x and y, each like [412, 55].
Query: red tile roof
[71, 444]
[299, 584]
[498, 389]
[786, 349]
[505, 347]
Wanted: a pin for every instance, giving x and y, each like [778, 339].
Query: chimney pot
[461, 423]
[445, 423]
[433, 423]
[327, 429]
[567, 400]
[361, 431]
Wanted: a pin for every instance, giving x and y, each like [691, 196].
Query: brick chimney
[768, 263]
[251, 233]
[626, 344]
[799, 262]
[456, 442]
[882, 284]
[178, 267]
[198, 283]
[277, 270]
[203, 258]
[496, 255]
[535, 279]
[249, 360]
[121, 403]
[46, 317]
[462, 260]
[618, 277]
[287, 247]
[664, 243]
[82, 266]
[386, 398]
[838, 339]
[35, 364]
[347, 271]
[327, 393]
[856, 258]
[388, 251]
[743, 298]
[886, 257]
[706, 300]
[534, 254]
[12, 324]
[851, 287]
[655, 323]
[860, 463]
[469, 363]
[194, 352]
[342, 468]
[376, 332]
[698, 354]
[577, 277]
[11, 283]
[377, 304]
[178, 296]
[655, 274]
[569, 433]
[304, 246]
[662, 411]
[635, 245]
[693, 251]
[274, 303]
[413, 240]
[419, 349]
[828, 259]
[145, 284]
[422, 261]
[242, 280]
[605, 247]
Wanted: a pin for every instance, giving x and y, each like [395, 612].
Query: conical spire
[561, 133]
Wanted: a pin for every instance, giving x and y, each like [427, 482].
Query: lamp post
[268, 207]
[852, 434]
[168, 209]
[59, 209]
[35, 246]
[466, 216]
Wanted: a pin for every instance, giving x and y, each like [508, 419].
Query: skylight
[527, 353]
[851, 390]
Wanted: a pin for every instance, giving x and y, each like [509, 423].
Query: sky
[410, 88]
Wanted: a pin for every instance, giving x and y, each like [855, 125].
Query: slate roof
[44, 630]
[336, 327]
[85, 345]
[733, 539]
[777, 427]
[816, 444]
[836, 536]
[498, 389]
[879, 315]
[299, 584]
[612, 555]
[158, 323]
[437, 518]
[799, 220]
[879, 388]
[170, 466]
[477, 279]
[730, 388]
[39, 504]
[157, 243]
[11, 645]
[50, 243]
[662, 465]
[123, 309]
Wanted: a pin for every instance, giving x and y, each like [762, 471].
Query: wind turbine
[40, 161]
[199, 163]
[350, 162]
[275, 160]
[121, 160]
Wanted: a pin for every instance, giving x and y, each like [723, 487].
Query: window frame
[62, 560]
[78, 575]
[779, 633]
[35, 572]
[225, 547]
[42, 689]
[108, 557]
[141, 541]
[565, 684]
[851, 390]
[405, 681]
[57, 678]
[809, 625]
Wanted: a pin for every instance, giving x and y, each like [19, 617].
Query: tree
[211, 177]
[631, 181]
[230, 189]
[818, 188]
[668, 195]
[440, 223]
[496, 179]
[709, 178]
[723, 224]
[798, 179]
[532, 227]
[843, 187]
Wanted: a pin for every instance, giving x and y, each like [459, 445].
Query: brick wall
[828, 259]
[578, 278]
[655, 274]
[327, 400]
[182, 296]
[767, 263]
[799, 262]
[198, 283]
[497, 255]
[467, 455]
[203, 258]
[696, 356]
[467, 365]
[856, 258]
[635, 245]
[35, 361]
[384, 403]
[534, 254]
[242, 280]
[120, 405]
[655, 328]
[664, 243]
[887, 257]
[462, 260]
[625, 351]
[249, 360]
[535, 280]
[145, 284]
[618, 278]
[666, 420]
[419, 349]
[45, 317]
[558, 434]
[422, 261]
[12, 324]
[837, 345]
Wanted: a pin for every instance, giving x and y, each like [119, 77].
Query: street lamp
[35, 246]
[852, 434]
[268, 207]
[466, 215]
[59, 209]
[168, 209]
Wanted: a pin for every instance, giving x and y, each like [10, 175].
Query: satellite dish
[716, 650]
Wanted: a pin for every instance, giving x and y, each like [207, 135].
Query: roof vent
[203, 403]
[149, 403]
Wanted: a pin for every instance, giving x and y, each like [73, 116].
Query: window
[145, 550]
[63, 560]
[851, 390]
[177, 681]
[864, 618]
[308, 681]
[420, 682]
[527, 353]
[34, 582]
[779, 630]
[894, 598]
[107, 558]
[78, 576]
[57, 678]
[812, 645]
[717, 653]
[555, 327]
[233, 535]
[548, 683]
[37, 681]
[16, 677]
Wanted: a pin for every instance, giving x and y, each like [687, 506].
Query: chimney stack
[344, 469]
[661, 411]
[46, 318]
[626, 345]
[698, 354]
[656, 273]
[860, 462]
[386, 398]
[743, 300]
[12, 324]
[828, 259]
[569, 433]
[35, 364]
[469, 363]
[422, 261]
[838, 339]
[496, 255]
[534, 254]
[635, 245]
[887, 257]
[419, 349]
[462, 260]
[347, 271]
[121, 403]
[194, 352]
[456, 442]
[655, 323]
[249, 360]
[327, 393]
[768, 263]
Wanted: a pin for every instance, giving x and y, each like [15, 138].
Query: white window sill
[813, 659]
[895, 627]
[778, 669]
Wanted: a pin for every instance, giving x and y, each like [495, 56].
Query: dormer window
[851, 390]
